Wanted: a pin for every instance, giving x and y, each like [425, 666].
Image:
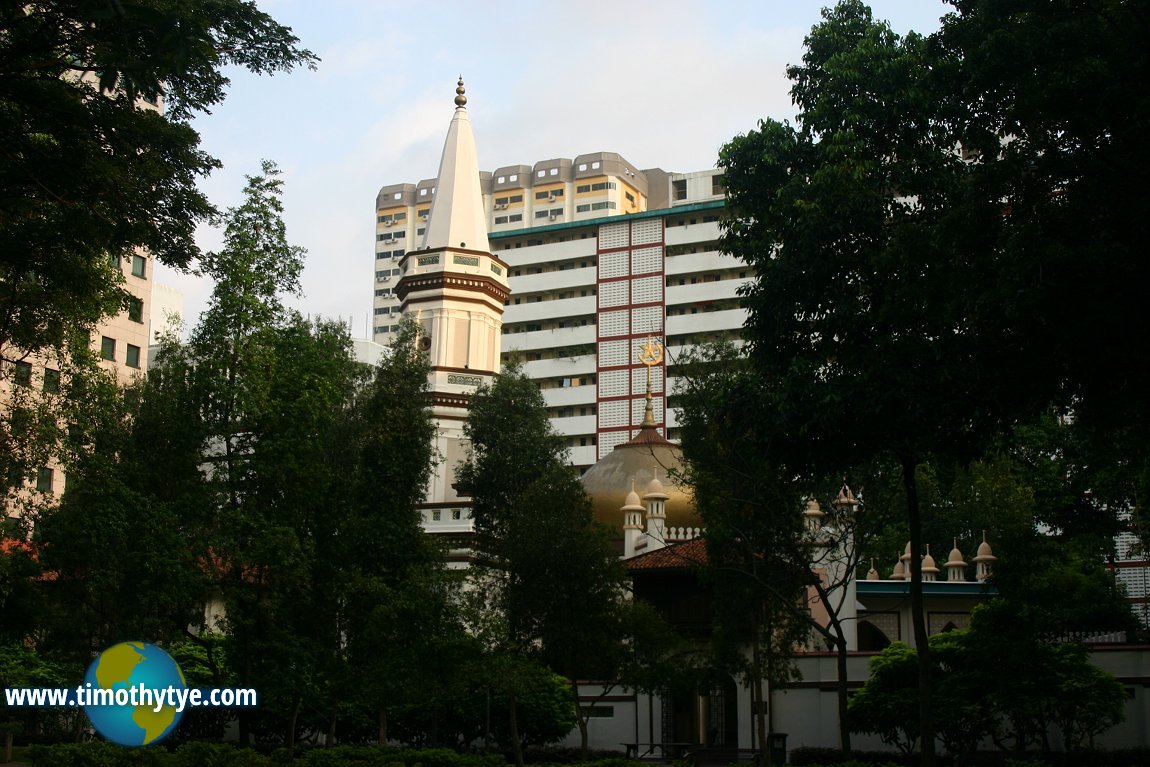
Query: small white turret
[813, 515]
[656, 501]
[955, 566]
[632, 522]
[984, 560]
[929, 568]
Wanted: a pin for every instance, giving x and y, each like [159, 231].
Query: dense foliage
[945, 245]
[1052, 686]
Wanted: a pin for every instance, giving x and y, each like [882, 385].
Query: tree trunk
[843, 696]
[580, 719]
[513, 724]
[757, 699]
[381, 733]
[331, 725]
[245, 718]
[293, 720]
[917, 613]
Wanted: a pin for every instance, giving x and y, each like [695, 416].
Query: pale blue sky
[664, 84]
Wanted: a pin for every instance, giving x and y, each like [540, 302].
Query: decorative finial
[460, 99]
[650, 355]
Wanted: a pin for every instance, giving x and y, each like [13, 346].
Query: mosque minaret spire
[455, 288]
[457, 218]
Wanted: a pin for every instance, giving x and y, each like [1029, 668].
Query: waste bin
[777, 743]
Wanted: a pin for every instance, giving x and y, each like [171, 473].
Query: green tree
[399, 615]
[761, 549]
[266, 390]
[537, 540]
[887, 705]
[123, 561]
[1048, 103]
[1051, 684]
[92, 169]
[924, 234]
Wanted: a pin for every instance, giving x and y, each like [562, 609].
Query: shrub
[201, 754]
[96, 754]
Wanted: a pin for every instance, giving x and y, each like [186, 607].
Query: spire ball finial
[460, 99]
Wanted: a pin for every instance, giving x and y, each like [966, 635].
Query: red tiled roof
[680, 556]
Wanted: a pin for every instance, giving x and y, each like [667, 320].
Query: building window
[541, 174]
[582, 188]
[132, 356]
[135, 310]
[541, 214]
[44, 479]
[107, 348]
[500, 220]
[514, 218]
[582, 208]
[679, 189]
[114, 259]
[598, 712]
[513, 177]
[717, 184]
[22, 374]
[436, 515]
[51, 380]
[456, 514]
[138, 266]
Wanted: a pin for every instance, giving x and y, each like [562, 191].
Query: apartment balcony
[583, 455]
[569, 396]
[688, 233]
[577, 425]
[685, 295]
[557, 279]
[706, 322]
[556, 368]
[703, 261]
[449, 520]
[547, 253]
[550, 339]
[537, 311]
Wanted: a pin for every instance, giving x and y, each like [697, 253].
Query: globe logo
[121, 698]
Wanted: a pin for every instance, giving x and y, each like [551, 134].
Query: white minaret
[455, 287]
[632, 523]
[656, 500]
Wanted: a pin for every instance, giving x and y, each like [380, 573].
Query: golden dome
[645, 458]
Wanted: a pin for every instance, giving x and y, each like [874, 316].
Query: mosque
[456, 287]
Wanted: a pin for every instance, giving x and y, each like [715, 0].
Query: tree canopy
[946, 240]
[100, 158]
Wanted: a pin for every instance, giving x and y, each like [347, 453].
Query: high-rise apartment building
[121, 343]
[601, 255]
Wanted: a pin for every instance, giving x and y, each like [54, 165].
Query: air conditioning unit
[553, 216]
[389, 222]
[423, 217]
[551, 198]
[501, 206]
